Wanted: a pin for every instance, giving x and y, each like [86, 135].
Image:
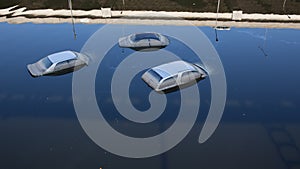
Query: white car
[173, 74]
[58, 63]
[144, 40]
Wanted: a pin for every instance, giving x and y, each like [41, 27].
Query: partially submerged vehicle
[173, 74]
[222, 28]
[139, 41]
[58, 64]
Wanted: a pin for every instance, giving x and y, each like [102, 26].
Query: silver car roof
[62, 56]
[173, 68]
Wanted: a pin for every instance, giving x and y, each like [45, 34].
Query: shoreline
[14, 15]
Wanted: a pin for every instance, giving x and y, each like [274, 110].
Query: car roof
[62, 56]
[173, 68]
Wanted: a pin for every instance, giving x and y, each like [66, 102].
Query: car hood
[146, 77]
[34, 70]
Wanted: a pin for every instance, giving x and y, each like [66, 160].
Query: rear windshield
[155, 75]
[142, 36]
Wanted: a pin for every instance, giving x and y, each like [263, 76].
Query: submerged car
[173, 74]
[58, 63]
[144, 41]
[222, 28]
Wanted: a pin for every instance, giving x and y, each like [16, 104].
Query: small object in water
[173, 74]
[145, 40]
[222, 28]
[58, 64]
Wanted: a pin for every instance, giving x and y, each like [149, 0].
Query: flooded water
[259, 128]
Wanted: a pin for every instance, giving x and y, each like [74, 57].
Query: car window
[72, 61]
[155, 75]
[189, 76]
[185, 77]
[61, 65]
[144, 36]
[194, 75]
[169, 82]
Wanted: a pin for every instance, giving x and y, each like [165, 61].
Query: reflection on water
[260, 127]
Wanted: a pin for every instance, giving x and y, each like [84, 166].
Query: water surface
[259, 129]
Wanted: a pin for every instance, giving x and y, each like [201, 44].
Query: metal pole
[283, 8]
[218, 7]
[216, 32]
[73, 23]
[123, 8]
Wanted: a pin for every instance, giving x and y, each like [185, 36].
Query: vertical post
[70, 6]
[216, 32]
[218, 7]
[283, 8]
[123, 7]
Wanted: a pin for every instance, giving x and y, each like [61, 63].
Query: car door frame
[179, 78]
[60, 64]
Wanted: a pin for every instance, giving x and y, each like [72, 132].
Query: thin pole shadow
[262, 48]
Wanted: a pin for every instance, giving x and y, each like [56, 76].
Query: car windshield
[155, 75]
[143, 36]
[46, 62]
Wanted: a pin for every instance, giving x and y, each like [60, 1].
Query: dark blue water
[259, 129]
